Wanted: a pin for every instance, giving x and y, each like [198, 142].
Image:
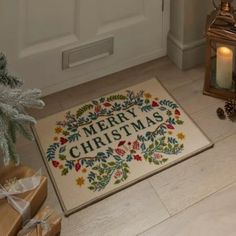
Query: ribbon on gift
[21, 186]
[34, 223]
[31, 225]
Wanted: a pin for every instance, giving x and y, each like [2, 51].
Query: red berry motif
[117, 174]
[120, 151]
[77, 166]
[169, 126]
[63, 140]
[121, 143]
[98, 108]
[177, 112]
[107, 104]
[55, 163]
[155, 104]
[136, 145]
[137, 158]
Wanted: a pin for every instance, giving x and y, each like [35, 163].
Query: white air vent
[87, 53]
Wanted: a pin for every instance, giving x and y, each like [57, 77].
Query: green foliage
[83, 109]
[13, 118]
[116, 97]
[104, 172]
[64, 171]
[170, 146]
[6, 79]
[168, 103]
[52, 150]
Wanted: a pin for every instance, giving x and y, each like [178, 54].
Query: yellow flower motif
[180, 136]
[147, 95]
[55, 138]
[177, 117]
[61, 167]
[84, 170]
[170, 132]
[80, 181]
[58, 130]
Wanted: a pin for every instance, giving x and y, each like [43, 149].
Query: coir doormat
[98, 148]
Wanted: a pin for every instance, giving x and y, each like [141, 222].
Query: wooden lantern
[221, 52]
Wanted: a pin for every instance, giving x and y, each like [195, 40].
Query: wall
[186, 41]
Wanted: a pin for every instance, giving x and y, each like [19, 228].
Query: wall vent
[87, 53]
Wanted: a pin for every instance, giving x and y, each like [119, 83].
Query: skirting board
[186, 56]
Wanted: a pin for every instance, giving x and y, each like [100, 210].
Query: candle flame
[225, 51]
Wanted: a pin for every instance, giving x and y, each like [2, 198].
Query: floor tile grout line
[159, 197]
[190, 206]
[179, 100]
[185, 84]
[223, 138]
[195, 112]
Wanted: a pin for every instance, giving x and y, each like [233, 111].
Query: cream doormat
[98, 148]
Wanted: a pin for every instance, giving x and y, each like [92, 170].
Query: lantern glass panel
[222, 66]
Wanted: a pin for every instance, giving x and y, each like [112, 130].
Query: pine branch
[14, 157]
[3, 62]
[24, 119]
[12, 127]
[19, 99]
[13, 119]
[31, 99]
[26, 132]
[6, 79]
[4, 148]
[8, 110]
[10, 80]
[3, 141]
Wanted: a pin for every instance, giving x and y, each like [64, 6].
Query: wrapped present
[22, 192]
[46, 223]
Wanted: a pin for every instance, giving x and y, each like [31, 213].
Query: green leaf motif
[83, 109]
[64, 171]
[116, 97]
[179, 122]
[168, 113]
[62, 157]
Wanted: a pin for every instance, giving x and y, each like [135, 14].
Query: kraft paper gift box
[46, 223]
[11, 221]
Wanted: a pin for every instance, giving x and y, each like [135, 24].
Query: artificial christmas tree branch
[6, 79]
[13, 118]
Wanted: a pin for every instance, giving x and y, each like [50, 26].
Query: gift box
[22, 192]
[46, 223]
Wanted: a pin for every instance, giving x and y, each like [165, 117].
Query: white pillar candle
[224, 67]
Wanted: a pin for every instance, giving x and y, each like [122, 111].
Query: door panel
[44, 28]
[37, 32]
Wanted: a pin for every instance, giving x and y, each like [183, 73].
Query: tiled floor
[195, 197]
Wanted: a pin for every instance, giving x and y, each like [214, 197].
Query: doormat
[96, 149]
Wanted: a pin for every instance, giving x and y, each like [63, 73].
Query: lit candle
[224, 67]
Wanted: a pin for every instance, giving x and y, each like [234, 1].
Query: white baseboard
[186, 56]
[68, 83]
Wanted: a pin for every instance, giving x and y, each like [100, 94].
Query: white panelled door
[34, 34]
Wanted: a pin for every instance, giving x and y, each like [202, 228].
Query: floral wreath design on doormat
[113, 164]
